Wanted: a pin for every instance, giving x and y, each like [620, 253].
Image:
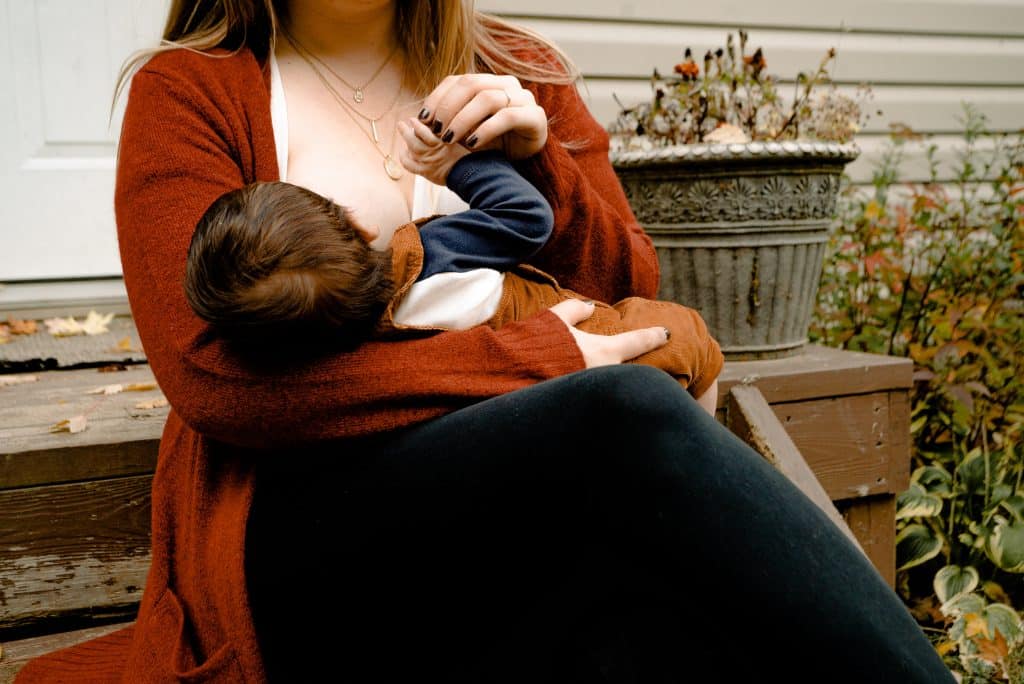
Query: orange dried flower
[688, 69]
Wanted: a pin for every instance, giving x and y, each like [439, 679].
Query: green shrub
[935, 272]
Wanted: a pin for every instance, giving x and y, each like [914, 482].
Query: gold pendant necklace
[357, 91]
[392, 168]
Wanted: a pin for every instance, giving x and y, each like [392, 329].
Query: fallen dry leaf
[993, 650]
[159, 402]
[8, 380]
[118, 388]
[73, 424]
[125, 345]
[5, 334]
[93, 324]
[20, 327]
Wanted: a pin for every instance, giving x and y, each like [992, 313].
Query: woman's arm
[193, 128]
[597, 247]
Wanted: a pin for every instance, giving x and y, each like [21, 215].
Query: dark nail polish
[437, 127]
[424, 113]
[472, 141]
[447, 137]
[668, 333]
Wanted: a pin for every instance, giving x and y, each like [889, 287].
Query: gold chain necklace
[308, 56]
[391, 167]
[357, 91]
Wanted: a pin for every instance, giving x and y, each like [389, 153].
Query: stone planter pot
[740, 231]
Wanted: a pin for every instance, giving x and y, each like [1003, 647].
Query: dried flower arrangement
[733, 100]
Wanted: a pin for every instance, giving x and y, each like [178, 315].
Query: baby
[275, 261]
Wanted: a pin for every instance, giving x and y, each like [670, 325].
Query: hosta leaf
[1005, 619]
[1014, 505]
[934, 479]
[916, 544]
[964, 604]
[971, 473]
[1005, 546]
[953, 580]
[917, 503]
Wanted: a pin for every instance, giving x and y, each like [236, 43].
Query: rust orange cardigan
[196, 126]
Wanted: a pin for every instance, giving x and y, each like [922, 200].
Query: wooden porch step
[16, 653]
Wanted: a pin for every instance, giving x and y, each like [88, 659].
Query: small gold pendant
[357, 95]
[392, 168]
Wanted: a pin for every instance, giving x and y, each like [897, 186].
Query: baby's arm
[508, 221]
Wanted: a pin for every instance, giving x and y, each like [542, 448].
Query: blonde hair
[440, 37]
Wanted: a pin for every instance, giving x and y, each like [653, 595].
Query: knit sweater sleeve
[597, 248]
[193, 128]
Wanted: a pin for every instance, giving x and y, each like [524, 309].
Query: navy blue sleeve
[508, 221]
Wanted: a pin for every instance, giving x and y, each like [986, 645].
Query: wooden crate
[849, 415]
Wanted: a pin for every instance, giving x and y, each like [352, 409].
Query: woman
[465, 507]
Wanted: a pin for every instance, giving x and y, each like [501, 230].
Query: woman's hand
[606, 350]
[483, 111]
[425, 154]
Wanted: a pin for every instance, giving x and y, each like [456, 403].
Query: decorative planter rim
[717, 152]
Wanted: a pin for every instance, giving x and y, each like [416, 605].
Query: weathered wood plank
[818, 372]
[119, 439]
[73, 549]
[42, 351]
[17, 653]
[873, 520]
[845, 440]
[752, 419]
[899, 440]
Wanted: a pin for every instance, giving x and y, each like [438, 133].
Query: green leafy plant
[935, 272]
[732, 98]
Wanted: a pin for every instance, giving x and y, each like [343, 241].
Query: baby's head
[275, 258]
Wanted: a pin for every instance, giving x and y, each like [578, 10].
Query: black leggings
[599, 527]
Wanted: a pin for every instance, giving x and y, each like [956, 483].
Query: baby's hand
[425, 154]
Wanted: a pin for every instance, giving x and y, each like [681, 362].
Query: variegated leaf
[953, 580]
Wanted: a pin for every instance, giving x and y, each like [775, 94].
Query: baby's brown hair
[277, 259]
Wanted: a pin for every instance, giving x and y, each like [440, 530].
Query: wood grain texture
[845, 440]
[818, 372]
[68, 549]
[119, 439]
[17, 653]
[753, 420]
[42, 351]
[873, 520]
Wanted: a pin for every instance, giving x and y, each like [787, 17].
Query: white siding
[922, 58]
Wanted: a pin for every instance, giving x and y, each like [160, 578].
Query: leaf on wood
[93, 324]
[8, 380]
[125, 345]
[5, 334]
[118, 388]
[159, 402]
[112, 368]
[72, 425]
[22, 327]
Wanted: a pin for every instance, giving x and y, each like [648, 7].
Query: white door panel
[59, 60]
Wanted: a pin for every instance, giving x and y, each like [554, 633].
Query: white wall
[59, 58]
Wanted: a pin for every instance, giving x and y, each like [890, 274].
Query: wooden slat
[845, 441]
[899, 440]
[818, 372]
[981, 17]
[73, 550]
[874, 522]
[17, 653]
[615, 51]
[752, 419]
[119, 440]
[42, 351]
